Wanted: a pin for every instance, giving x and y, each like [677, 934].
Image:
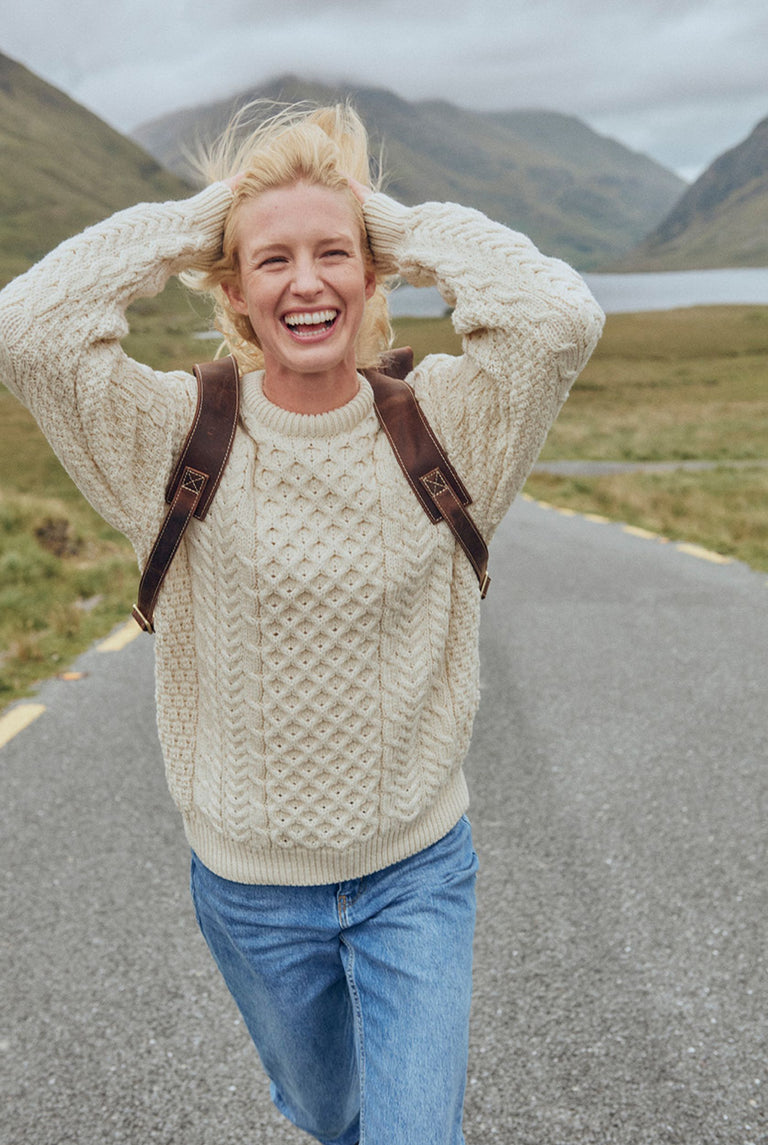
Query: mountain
[720, 221]
[578, 194]
[63, 168]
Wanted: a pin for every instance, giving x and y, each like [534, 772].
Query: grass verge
[65, 579]
[725, 510]
[674, 385]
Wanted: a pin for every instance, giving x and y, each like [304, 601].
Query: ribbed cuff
[385, 221]
[208, 211]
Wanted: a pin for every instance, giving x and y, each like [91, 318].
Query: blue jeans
[356, 994]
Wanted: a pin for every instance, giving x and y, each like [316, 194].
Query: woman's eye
[274, 260]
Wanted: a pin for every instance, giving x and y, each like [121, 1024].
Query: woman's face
[303, 284]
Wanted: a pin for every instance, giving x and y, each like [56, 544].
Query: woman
[317, 664]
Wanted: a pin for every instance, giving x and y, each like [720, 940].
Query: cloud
[680, 79]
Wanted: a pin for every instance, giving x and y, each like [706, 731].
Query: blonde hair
[320, 146]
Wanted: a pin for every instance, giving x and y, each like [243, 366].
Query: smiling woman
[296, 176]
[302, 282]
[317, 633]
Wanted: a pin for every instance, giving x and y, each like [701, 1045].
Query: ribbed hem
[304, 867]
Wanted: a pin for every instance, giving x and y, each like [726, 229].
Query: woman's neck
[310, 393]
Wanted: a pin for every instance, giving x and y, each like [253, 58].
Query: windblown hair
[319, 146]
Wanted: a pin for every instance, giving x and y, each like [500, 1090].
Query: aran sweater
[316, 637]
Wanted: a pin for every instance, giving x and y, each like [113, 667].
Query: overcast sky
[681, 80]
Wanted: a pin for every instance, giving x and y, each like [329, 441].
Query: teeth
[314, 319]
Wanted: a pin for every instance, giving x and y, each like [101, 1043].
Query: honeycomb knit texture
[316, 637]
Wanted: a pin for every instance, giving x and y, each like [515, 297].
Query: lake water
[621, 293]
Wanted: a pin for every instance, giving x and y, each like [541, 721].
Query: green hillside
[62, 168]
[65, 577]
[615, 193]
[580, 196]
[721, 220]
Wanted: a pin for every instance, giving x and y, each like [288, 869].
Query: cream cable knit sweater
[317, 663]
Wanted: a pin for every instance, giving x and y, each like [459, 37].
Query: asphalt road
[619, 784]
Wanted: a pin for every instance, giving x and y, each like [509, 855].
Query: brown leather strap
[423, 461]
[212, 432]
[201, 463]
[195, 477]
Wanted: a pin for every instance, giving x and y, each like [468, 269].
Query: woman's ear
[235, 296]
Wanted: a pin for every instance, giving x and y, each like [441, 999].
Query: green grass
[427, 336]
[671, 385]
[680, 384]
[66, 578]
[724, 510]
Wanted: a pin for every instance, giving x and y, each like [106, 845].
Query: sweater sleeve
[114, 424]
[528, 325]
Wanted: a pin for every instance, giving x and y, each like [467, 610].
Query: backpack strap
[196, 477]
[422, 459]
[198, 470]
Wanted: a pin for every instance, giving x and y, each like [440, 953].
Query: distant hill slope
[62, 169]
[579, 195]
[721, 220]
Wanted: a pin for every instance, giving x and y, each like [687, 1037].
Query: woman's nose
[306, 280]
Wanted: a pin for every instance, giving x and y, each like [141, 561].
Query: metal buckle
[144, 624]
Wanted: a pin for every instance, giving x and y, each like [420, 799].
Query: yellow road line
[119, 639]
[703, 554]
[21, 716]
[17, 719]
[691, 549]
[636, 531]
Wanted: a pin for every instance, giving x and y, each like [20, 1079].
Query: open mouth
[308, 324]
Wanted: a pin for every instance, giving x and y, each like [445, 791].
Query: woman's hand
[233, 180]
[359, 190]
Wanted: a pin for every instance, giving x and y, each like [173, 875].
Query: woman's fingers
[359, 190]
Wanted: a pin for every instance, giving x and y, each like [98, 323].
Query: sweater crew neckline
[258, 409]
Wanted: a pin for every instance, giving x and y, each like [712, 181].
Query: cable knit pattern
[317, 665]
